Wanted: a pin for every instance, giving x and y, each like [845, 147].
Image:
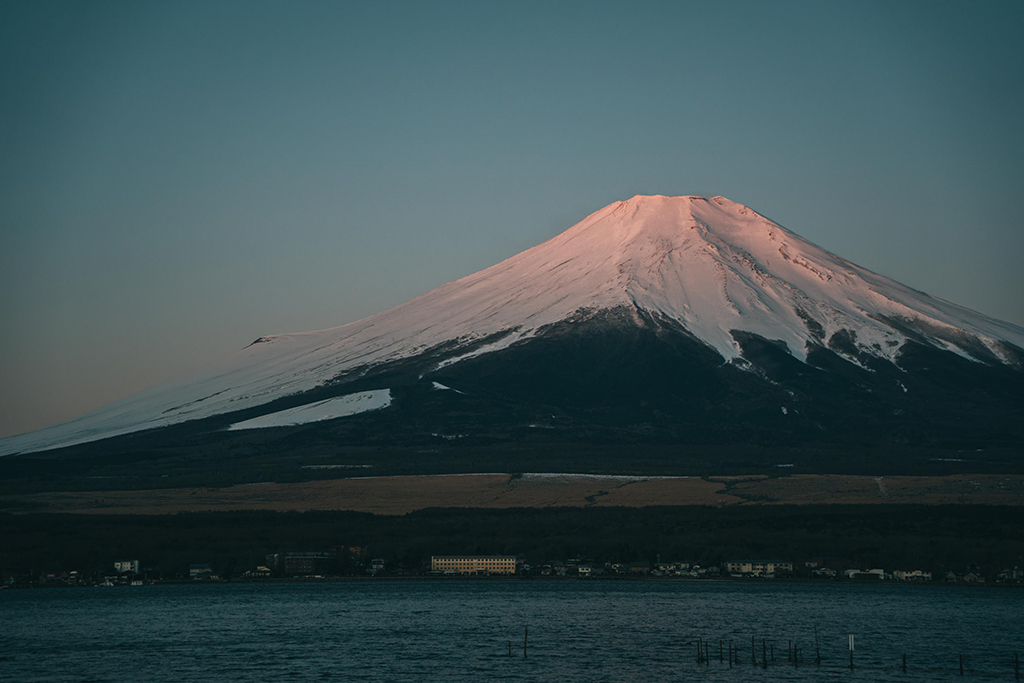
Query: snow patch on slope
[339, 406]
[569, 477]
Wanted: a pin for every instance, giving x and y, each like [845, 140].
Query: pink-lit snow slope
[711, 264]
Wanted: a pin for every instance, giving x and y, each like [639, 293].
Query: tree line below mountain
[933, 538]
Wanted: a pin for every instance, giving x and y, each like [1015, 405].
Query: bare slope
[401, 495]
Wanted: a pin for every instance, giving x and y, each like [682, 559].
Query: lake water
[459, 630]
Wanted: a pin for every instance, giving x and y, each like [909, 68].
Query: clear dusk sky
[177, 178]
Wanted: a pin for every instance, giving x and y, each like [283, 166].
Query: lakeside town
[351, 562]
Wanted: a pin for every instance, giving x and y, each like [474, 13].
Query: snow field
[339, 406]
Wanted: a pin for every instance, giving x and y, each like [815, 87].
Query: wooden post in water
[510, 648]
[796, 656]
[730, 654]
[764, 654]
[526, 638]
[961, 666]
[817, 648]
[1016, 666]
[904, 662]
[753, 652]
[851, 651]
[773, 651]
[706, 659]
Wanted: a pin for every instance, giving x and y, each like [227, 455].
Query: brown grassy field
[983, 489]
[400, 495]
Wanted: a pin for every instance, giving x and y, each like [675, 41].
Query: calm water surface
[448, 630]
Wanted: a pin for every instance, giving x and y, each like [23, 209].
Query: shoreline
[521, 579]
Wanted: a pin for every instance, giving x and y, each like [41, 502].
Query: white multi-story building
[473, 564]
[126, 566]
[759, 567]
[861, 574]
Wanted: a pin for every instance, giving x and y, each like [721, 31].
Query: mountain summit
[733, 288]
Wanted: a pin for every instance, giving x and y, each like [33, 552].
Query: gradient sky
[177, 179]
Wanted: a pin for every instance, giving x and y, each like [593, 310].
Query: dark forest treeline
[935, 538]
[299, 457]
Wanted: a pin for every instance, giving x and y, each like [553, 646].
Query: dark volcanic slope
[612, 392]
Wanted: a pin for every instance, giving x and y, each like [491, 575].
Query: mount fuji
[677, 322]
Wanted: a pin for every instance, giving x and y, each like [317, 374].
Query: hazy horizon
[179, 180]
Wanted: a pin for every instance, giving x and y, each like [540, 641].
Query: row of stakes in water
[768, 653]
[794, 655]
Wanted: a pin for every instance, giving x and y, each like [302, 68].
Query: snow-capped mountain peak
[712, 265]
